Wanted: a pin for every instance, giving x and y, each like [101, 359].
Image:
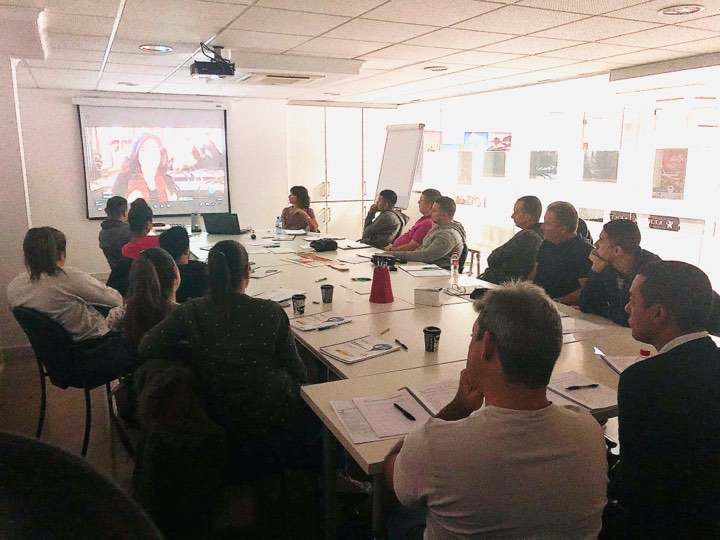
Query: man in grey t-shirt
[519, 466]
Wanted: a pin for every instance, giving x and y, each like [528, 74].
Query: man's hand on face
[598, 264]
[373, 208]
[469, 397]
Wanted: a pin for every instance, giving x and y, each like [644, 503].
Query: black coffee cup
[298, 303]
[326, 292]
[432, 338]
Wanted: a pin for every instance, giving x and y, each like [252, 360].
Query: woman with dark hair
[299, 215]
[144, 173]
[243, 355]
[154, 279]
[71, 298]
[140, 219]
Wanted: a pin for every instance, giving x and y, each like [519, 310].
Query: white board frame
[403, 198]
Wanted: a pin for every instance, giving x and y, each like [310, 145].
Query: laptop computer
[223, 224]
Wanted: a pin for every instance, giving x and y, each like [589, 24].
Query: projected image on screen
[177, 169]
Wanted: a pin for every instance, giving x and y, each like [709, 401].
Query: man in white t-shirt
[519, 466]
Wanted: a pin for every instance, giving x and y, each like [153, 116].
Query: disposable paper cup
[327, 293]
[298, 302]
[432, 338]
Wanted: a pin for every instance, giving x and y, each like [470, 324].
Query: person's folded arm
[572, 298]
[384, 225]
[435, 250]
[592, 297]
[94, 292]
[412, 245]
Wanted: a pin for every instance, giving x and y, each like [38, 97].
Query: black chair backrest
[463, 258]
[52, 344]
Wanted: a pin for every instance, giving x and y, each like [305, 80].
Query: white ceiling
[485, 44]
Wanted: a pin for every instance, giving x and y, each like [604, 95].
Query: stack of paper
[279, 295]
[618, 363]
[595, 397]
[357, 350]
[435, 396]
[319, 321]
[424, 270]
[385, 413]
[352, 245]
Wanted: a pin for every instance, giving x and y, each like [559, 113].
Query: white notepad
[619, 363]
[385, 419]
[435, 396]
[327, 319]
[597, 399]
[359, 349]
[280, 294]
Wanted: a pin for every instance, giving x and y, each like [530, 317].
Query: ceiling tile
[348, 8]
[68, 41]
[596, 28]
[24, 77]
[185, 13]
[582, 68]
[588, 7]
[100, 8]
[290, 22]
[432, 12]
[529, 45]
[646, 56]
[592, 51]
[649, 11]
[64, 64]
[385, 64]
[367, 30]
[708, 23]
[147, 59]
[660, 37]
[457, 39]
[135, 68]
[72, 79]
[478, 58]
[149, 32]
[518, 20]
[408, 52]
[143, 79]
[261, 41]
[64, 23]
[533, 63]
[337, 48]
[76, 54]
[451, 68]
[701, 46]
[131, 46]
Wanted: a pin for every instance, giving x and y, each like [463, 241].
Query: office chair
[60, 359]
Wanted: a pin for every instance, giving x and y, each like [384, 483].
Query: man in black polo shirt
[616, 259]
[562, 261]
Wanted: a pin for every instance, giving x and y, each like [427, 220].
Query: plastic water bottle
[454, 268]
[278, 228]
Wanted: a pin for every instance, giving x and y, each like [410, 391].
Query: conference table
[401, 319]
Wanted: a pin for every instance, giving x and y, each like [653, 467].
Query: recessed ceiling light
[682, 9]
[435, 68]
[155, 48]
[126, 83]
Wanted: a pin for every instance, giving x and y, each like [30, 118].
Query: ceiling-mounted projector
[216, 68]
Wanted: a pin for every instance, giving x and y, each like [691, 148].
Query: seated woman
[71, 298]
[299, 215]
[243, 354]
[140, 219]
[154, 280]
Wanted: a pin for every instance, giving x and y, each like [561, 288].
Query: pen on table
[401, 344]
[384, 331]
[360, 279]
[406, 414]
[316, 302]
[428, 268]
[581, 386]
[321, 328]
[321, 279]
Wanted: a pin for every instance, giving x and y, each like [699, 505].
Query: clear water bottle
[454, 269]
[278, 228]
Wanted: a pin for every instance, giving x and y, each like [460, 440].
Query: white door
[343, 132]
[306, 149]
[345, 219]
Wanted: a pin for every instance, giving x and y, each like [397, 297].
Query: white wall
[51, 132]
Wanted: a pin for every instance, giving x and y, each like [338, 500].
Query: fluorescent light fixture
[155, 48]
[682, 9]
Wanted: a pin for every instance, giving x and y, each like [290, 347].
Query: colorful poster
[600, 166]
[475, 140]
[591, 214]
[543, 164]
[499, 141]
[669, 173]
[432, 140]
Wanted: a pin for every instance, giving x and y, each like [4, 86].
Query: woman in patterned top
[244, 358]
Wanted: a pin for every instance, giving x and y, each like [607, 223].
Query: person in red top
[413, 238]
[140, 219]
[144, 174]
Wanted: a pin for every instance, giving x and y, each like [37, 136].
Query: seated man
[616, 259]
[519, 466]
[382, 230]
[413, 238]
[193, 274]
[515, 259]
[669, 408]
[445, 238]
[562, 260]
[114, 231]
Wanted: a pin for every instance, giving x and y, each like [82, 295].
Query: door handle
[327, 188]
[329, 215]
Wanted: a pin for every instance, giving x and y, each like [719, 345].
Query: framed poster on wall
[669, 173]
